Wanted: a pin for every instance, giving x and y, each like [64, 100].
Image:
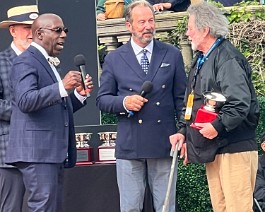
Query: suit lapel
[129, 57]
[39, 56]
[158, 55]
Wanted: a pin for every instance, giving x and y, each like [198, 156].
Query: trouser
[231, 180]
[132, 176]
[12, 190]
[44, 185]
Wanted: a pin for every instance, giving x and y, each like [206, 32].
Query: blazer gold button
[158, 103]
[159, 121]
[140, 121]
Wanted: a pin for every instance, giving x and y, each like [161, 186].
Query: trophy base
[84, 163]
[84, 156]
[106, 154]
[203, 116]
[106, 162]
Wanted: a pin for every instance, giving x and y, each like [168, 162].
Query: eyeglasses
[58, 29]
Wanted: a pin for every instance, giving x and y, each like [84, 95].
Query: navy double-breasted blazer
[42, 127]
[146, 134]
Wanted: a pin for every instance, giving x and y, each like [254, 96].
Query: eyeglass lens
[59, 29]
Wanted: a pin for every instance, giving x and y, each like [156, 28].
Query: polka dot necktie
[144, 61]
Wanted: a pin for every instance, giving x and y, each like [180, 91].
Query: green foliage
[192, 190]
[101, 53]
[261, 126]
[179, 33]
[108, 118]
[241, 13]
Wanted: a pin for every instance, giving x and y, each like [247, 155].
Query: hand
[207, 130]
[88, 84]
[179, 139]
[134, 102]
[101, 17]
[72, 80]
[184, 152]
[161, 6]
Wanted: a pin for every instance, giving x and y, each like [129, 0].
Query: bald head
[49, 32]
[44, 21]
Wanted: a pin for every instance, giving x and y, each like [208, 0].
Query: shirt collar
[138, 49]
[41, 49]
[16, 50]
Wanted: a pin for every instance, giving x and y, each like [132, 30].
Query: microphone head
[79, 60]
[147, 87]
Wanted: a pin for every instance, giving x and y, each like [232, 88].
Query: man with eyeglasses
[19, 24]
[42, 137]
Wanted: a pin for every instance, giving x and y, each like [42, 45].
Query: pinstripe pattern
[6, 59]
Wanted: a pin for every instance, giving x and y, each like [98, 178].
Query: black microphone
[80, 62]
[146, 88]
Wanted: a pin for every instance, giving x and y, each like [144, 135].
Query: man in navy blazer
[42, 137]
[144, 123]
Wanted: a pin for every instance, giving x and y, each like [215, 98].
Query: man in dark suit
[19, 24]
[145, 123]
[42, 137]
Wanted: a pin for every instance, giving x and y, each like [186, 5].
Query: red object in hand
[203, 116]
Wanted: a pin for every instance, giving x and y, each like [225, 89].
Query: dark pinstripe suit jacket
[6, 60]
[42, 126]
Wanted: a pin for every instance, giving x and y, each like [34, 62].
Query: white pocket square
[164, 65]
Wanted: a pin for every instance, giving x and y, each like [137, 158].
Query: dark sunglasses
[58, 29]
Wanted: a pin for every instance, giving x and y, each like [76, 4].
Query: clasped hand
[207, 130]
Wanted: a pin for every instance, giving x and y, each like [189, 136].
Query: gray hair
[130, 7]
[208, 15]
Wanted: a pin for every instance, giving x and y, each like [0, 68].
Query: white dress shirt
[62, 90]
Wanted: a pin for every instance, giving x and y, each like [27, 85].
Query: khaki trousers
[231, 180]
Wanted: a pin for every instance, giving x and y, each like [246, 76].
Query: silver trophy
[106, 151]
[209, 111]
[82, 139]
[84, 151]
[213, 101]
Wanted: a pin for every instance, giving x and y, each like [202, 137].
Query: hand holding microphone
[86, 80]
[137, 101]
